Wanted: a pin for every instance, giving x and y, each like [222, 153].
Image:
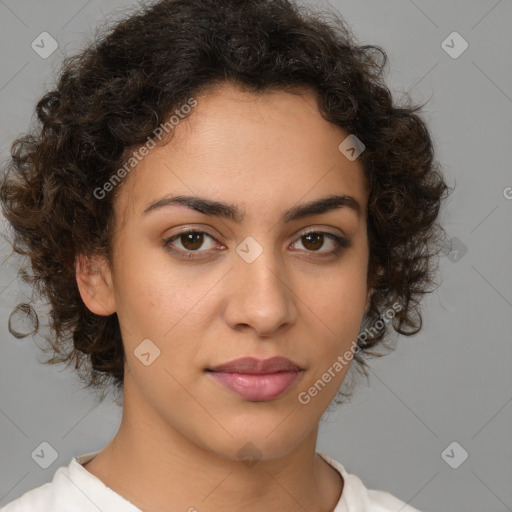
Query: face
[250, 284]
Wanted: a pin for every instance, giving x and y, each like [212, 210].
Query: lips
[253, 366]
[257, 380]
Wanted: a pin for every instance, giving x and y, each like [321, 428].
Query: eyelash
[341, 243]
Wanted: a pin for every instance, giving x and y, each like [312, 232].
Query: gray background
[450, 383]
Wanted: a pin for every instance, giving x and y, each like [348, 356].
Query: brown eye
[188, 244]
[191, 241]
[315, 240]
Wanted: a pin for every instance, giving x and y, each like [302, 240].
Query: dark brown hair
[112, 96]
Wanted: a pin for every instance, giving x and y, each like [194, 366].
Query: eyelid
[200, 229]
[318, 229]
[341, 242]
[194, 229]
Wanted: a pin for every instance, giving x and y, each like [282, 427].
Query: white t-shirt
[75, 489]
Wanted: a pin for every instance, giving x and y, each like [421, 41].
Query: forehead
[245, 148]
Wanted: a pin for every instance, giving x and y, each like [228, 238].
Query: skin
[176, 448]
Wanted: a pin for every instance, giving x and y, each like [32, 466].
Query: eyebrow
[234, 213]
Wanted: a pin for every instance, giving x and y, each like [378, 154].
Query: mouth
[258, 387]
[254, 366]
[255, 379]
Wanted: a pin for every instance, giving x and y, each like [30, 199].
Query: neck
[157, 467]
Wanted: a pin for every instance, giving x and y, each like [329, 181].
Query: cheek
[140, 296]
[154, 303]
[338, 302]
[336, 310]
[164, 302]
[165, 309]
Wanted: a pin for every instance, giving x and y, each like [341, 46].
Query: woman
[225, 209]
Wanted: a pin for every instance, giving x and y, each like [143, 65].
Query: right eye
[190, 240]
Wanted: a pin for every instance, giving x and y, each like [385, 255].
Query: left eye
[192, 240]
[316, 239]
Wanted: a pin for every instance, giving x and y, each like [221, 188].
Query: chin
[263, 441]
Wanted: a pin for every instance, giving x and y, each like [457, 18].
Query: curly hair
[113, 95]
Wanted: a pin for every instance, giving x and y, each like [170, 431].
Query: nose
[260, 296]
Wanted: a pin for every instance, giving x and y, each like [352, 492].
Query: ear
[94, 280]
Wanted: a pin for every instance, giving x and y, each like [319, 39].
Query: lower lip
[258, 388]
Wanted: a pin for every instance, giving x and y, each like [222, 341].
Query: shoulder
[72, 487]
[356, 497]
[43, 498]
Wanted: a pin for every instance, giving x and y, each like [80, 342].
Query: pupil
[190, 237]
[318, 236]
[198, 237]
